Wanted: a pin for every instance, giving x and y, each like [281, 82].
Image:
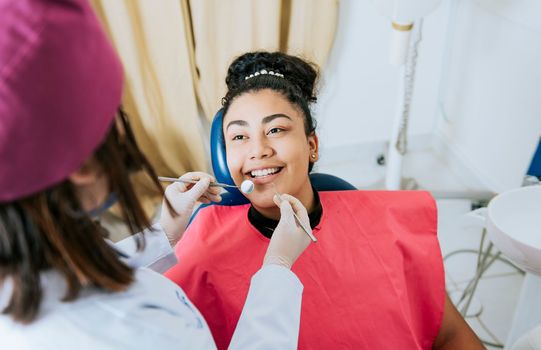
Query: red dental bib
[374, 279]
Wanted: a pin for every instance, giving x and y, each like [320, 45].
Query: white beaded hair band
[263, 72]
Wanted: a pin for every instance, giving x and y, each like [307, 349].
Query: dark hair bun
[301, 73]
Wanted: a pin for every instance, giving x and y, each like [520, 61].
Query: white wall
[491, 93]
[492, 98]
[358, 94]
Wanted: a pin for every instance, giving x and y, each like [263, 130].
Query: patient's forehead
[260, 104]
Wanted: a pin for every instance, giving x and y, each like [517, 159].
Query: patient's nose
[260, 149]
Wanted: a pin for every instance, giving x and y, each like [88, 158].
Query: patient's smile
[264, 172]
[264, 176]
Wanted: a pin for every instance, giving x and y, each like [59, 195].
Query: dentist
[67, 150]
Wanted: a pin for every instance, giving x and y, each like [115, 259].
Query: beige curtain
[312, 28]
[224, 29]
[152, 40]
[176, 53]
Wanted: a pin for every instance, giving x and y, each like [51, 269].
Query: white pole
[398, 54]
[393, 175]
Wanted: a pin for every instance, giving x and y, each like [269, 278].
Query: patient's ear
[87, 174]
[313, 144]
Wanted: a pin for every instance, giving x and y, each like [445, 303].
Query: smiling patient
[375, 278]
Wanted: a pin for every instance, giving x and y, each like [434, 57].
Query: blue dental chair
[321, 182]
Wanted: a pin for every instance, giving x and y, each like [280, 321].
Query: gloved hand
[183, 197]
[288, 240]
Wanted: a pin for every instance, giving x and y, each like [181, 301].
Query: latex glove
[288, 240]
[183, 197]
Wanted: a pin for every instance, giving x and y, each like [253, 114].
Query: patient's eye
[238, 137]
[275, 131]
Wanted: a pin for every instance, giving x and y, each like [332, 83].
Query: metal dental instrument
[246, 187]
[187, 181]
[308, 231]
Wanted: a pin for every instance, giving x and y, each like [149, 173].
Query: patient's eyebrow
[236, 122]
[270, 118]
[265, 120]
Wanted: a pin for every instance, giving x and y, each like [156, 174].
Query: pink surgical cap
[60, 87]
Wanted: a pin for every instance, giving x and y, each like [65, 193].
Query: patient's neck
[266, 226]
[306, 196]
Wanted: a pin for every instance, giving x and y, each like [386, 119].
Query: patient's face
[266, 143]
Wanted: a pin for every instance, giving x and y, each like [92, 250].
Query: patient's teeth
[264, 172]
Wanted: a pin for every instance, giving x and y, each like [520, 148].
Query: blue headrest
[219, 162]
[535, 166]
[321, 182]
[326, 182]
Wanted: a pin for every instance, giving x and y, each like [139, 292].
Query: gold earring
[313, 156]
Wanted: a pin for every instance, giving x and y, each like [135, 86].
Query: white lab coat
[157, 255]
[154, 313]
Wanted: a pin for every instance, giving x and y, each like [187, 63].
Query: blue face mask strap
[109, 202]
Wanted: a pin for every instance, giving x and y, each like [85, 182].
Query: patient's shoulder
[407, 198]
[381, 204]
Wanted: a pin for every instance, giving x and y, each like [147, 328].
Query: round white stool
[513, 223]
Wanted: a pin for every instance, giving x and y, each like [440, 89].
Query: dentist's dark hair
[50, 231]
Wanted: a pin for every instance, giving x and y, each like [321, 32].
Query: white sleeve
[158, 254]
[271, 315]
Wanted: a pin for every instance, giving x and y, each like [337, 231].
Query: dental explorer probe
[308, 231]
